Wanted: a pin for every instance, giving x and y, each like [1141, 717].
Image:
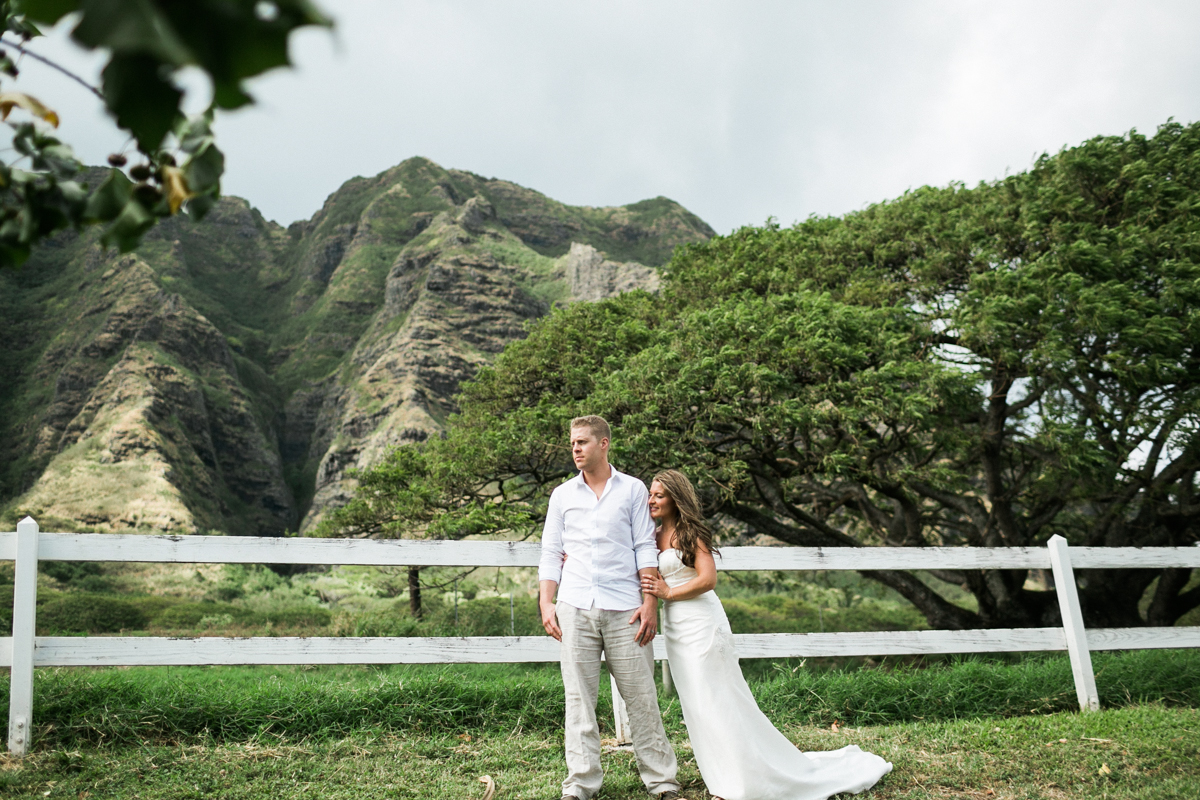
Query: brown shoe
[669, 794]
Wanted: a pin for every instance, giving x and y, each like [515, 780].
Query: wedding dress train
[740, 754]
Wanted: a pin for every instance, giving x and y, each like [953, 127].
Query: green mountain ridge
[227, 374]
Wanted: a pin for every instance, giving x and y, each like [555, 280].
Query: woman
[740, 754]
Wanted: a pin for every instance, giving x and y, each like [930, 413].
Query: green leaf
[194, 132]
[148, 41]
[126, 231]
[73, 193]
[110, 198]
[144, 103]
[199, 206]
[132, 27]
[58, 159]
[22, 27]
[232, 42]
[12, 255]
[204, 169]
[229, 95]
[48, 11]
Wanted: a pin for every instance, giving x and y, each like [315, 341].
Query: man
[600, 523]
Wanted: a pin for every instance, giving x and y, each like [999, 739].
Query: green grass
[1140, 752]
[974, 728]
[202, 705]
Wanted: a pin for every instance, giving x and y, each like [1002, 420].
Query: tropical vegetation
[985, 366]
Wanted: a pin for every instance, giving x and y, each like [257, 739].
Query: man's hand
[550, 621]
[546, 590]
[647, 617]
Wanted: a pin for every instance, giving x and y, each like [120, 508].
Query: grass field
[995, 727]
[1137, 752]
[972, 728]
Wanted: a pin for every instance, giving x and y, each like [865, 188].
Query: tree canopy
[45, 188]
[983, 366]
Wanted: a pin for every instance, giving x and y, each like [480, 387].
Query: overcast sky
[739, 110]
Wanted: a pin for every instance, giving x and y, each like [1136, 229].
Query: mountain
[228, 374]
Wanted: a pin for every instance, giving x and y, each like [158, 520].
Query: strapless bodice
[672, 568]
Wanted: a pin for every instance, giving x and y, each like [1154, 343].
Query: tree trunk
[414, 591]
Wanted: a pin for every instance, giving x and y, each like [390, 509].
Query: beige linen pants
[585, 635]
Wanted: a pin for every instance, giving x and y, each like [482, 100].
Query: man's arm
[550, 566]
[645, 547]
[647, 613]
[645, 553]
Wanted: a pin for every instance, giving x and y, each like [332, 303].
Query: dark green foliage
[484, 616]
[88, 613]
[86, 576]
[780, 614]
[218, 616]
[985, 366]
[146, 44]
[489, 616]
[230, 41]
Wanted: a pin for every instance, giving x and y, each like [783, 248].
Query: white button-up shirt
[606, 540]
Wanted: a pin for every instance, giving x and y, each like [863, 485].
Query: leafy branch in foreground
[43, 190]
[987, 367]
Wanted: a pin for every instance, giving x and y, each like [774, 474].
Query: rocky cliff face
[228, 375]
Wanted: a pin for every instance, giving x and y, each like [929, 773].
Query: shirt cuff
[647, 560]
[550, 574]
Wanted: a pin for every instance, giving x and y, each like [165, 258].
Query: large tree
[982, 366]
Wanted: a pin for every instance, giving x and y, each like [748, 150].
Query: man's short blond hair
[598, 426]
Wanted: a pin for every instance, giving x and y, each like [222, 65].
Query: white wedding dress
[740, 754]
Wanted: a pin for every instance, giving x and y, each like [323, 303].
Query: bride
[740, 754]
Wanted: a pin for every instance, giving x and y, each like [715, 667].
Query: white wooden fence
[24, 651]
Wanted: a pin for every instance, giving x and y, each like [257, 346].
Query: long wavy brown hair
[690, 528]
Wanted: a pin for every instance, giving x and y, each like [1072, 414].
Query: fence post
[20, 693]
[668, 681]
[1072, 619]
[620, 714]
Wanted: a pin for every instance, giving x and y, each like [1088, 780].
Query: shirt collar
[612, 479]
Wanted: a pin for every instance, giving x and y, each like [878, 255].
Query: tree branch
[807, 536]
[53, 64]
[940, 612]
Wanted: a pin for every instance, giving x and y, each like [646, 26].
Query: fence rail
[23, 651]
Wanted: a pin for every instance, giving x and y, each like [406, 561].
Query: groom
[600, 523]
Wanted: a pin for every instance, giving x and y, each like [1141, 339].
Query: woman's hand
[655, 585]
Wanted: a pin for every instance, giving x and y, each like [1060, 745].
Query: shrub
[298, 617]
[86, 576]
[89, 613]
[377, 623]
[483, 616]
[489, 616]
[191, 615]
[208, 614]
[775, 613]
